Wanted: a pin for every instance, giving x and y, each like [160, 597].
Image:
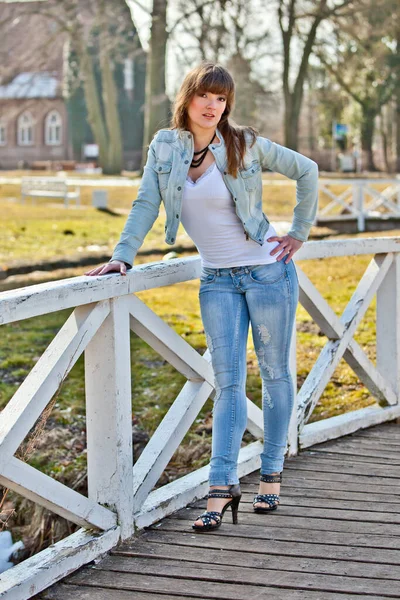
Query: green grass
[42, 232]
[47, 230]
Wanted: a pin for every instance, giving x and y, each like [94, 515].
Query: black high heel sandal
[270, 499]
[232, 492]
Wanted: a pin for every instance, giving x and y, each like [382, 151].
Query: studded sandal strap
[268, 498]
[208, 515]
[271, 478]
[219, 494]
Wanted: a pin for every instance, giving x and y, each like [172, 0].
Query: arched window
[25, 129]
[53, 129]
[3, 133]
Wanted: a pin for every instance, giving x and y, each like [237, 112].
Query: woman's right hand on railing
[115, 265]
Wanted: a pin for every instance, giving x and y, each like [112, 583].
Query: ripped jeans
[230, 298]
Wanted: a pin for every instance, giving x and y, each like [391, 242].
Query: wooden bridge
[336, 533]
[336, 536]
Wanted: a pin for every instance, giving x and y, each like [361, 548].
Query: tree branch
[189, 14]
[340, 80]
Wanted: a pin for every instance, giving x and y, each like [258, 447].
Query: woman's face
[205, 110]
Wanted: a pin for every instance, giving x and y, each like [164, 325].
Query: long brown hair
[214, 78]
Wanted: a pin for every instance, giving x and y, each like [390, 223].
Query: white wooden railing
[121, 498]
[360, 199]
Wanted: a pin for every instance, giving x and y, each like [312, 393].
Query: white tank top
[209, 217]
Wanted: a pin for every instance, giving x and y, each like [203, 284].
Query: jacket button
[189, 135]
[160, 168]
[213, 147]
[186, 162]
[225, 173]
[235, 199]
[172, 239]
[252, 170]
[177, 216]
[179, 188]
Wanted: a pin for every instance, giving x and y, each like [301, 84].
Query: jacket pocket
[163, 171]
[251, 175]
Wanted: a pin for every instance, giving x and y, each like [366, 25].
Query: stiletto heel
[235, 508]
[232, 492]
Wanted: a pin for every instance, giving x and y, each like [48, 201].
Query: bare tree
[100, 34]
[219, 31]
[360, 59]
[299, 22]
[157, 103]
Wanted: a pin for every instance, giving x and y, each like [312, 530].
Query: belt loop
[218, 272]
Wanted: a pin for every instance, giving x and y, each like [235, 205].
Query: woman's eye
[204, 95]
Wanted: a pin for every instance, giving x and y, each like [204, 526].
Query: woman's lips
[208, 116]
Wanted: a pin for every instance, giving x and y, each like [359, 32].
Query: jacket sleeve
[143, 213]
[305, 171]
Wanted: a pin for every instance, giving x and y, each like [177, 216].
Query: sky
[174, 75]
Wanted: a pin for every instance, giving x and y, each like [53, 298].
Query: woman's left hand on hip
[287, 246]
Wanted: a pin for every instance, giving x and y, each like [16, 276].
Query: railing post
[293, 425]
[109, 415]
[358, 204]
[388, 326]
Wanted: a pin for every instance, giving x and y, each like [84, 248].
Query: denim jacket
[168, 162]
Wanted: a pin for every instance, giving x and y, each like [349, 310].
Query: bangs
[216, 81]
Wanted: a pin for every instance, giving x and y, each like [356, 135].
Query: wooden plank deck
[335, 536]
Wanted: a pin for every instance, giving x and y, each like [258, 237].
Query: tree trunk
[385, 142]
[291, 123]
[110, 101]
[397, 100]
[114, 149]
[294, 99]
[398, 129]
[156, 104]
[292, 119]
[92, 98]
[367, 135]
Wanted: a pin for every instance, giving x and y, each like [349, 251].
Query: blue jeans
[265, 296]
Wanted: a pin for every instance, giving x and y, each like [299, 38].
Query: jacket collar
[185, 135]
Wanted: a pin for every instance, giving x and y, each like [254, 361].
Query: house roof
[31, 85]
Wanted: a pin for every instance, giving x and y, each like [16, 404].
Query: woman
[207, 171]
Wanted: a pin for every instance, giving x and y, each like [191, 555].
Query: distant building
[39, 119]
[33, 121]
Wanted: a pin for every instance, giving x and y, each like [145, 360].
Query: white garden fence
[360, 200]
[121, 496]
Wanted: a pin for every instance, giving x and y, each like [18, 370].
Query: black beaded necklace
[196, 162]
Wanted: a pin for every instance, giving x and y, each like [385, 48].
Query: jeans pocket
[207, 275]
[269, 273]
